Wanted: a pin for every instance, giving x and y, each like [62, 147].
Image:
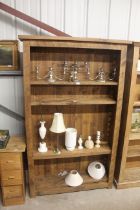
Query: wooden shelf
[43, 82]
[134, 136]
[136, 103]
[105, 149]
[132, 164]
[132, 174]
[55, 184]
[131, 178]
[77, 101]
[133, 151]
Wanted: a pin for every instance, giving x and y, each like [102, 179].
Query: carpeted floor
[100, 199]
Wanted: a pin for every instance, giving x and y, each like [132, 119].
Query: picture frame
[9, 61]
[135, 122]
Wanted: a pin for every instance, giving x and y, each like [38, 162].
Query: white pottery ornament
[89, 144]
[42, 147]
[80, 141]
[42, 130]
[96, 170]
[73, 179]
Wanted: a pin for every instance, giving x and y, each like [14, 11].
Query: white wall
[111, 19]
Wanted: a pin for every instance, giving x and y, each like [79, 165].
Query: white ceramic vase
[96, 170]
[70, 138]
[42, 130]
[73, 179]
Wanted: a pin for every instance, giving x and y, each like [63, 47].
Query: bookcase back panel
[70, 94]
[55, 57]
[93, 118]
[55, 166]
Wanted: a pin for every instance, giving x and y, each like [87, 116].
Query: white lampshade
[58, 123]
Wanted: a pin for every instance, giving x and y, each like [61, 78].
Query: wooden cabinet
[127, 172]
[11, 172]
[88, 106]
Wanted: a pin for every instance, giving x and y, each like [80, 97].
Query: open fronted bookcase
[127, 172]
[88, 105]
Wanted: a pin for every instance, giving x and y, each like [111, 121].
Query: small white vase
[96, 170]
[42, 130]
[73, 179]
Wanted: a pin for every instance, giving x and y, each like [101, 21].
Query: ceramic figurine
[80, 141]
[89, 144]
[42, 130]
[98, 139]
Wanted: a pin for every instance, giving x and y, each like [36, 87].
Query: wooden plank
[80, 100]
[55, 184]
[43, 82]
[133, 151]
[118, 113]
[134, 136]
[111, 41]
[15, 144]
[76, 153]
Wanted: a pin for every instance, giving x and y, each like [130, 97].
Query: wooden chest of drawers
[11, 172]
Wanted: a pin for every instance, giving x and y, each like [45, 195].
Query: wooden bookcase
[89, 106]
[127, 172]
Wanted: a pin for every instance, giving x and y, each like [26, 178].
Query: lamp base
[57, 151]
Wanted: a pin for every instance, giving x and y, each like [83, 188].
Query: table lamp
[58, 127]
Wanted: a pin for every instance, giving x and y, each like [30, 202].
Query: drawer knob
[11, 177]
[9, 161]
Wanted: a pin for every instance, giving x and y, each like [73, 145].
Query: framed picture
[135, 123]
[9, 56]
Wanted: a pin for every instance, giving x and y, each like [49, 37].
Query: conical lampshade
[58, 123]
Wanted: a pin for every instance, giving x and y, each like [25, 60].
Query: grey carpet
[100, 199]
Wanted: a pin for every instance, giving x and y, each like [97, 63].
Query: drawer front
[12, 191]
[10, 161]
[13, 177]
[13, 195]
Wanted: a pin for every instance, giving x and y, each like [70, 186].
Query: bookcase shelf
[105, 149]
[87, 105]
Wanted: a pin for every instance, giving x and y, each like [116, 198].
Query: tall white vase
[42, 130]
[70, 138]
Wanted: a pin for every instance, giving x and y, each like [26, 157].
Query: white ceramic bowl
[96, 170]
[73, 179]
